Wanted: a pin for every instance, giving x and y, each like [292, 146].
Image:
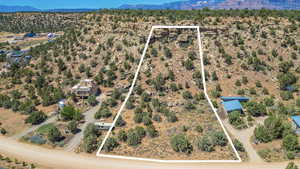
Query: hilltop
[246, 53]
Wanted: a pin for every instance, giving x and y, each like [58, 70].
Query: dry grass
[12, 122]
[159, 147]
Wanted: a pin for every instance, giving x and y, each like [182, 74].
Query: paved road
[59, 159]
[89, 118]
[51, 119]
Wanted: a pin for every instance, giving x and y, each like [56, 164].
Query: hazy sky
[46, 4]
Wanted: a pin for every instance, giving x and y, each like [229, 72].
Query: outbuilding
[233, 105]
[296, 124]
[102, 125]
[239, 98]
[30, 35]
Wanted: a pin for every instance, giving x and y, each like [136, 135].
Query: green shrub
[252, 91]
[236, 120]
[138, 117]
[219, 138]
[269, 101]
[157, 118]
[244, 80]
[92, 100]
[258, 84]
[122, 136]
[215, 93]
[290, 142]
[70, 113]
[238, 83]
[187, 95]
[171, 117]
[90, 143]
[291, 165]
[238, 145]
[180, 143]
[206, 144]
[147, 120]
[3, 131]
[129, 104]
[290, 155]
[110, 144]
[256, 109]
[103, 112]
[133, 138]
[199, 128]
[36, 118]
[90, 130]
[140, 131]
[54, 134]
[286, 79]
[72, 126]
[286, 95]
[265, 154]
[298, 101]
[261, 134]
[120, 122]
[151, 131]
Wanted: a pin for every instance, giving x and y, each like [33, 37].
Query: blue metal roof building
[30, 35]
[233, 105]
[241, 99]
[296, 120]
[296, 124]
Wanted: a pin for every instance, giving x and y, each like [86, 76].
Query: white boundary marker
[206, 95]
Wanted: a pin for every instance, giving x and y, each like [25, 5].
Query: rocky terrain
[246, 53]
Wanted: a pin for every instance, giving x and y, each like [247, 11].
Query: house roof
[239, 98]
[232, 105]
[296, 120]
[103, 124]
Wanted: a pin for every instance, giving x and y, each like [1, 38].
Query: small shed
[239, 98]
[61, 104]
[50, 35]
[30, 35]
[233, 105]
[296, 124]
[102, 125]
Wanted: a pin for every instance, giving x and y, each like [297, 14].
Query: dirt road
[244, 136]
[89, 118]
[58, 159]
[51, 119]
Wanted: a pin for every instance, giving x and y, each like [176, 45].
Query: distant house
[61, 104]
[30, 35]
[85, 88]
[102, 125]
[18, 57]
[50, 35]
[296, 124]
[231, 104]
[17, 38]
[16, 53]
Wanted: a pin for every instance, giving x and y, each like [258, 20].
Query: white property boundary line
[206, 95]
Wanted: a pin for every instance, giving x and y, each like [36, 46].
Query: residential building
[85, 88]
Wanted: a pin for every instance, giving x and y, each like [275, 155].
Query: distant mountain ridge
[221, 4]
[180, 5]
[5, 8]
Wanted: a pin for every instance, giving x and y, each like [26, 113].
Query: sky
[51, 4]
